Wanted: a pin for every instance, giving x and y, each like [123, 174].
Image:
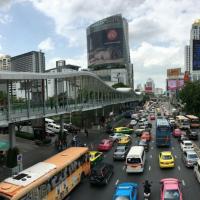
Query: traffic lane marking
[117, 182]
[183, 183]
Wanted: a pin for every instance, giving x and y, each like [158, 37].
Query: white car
[133, 122]
[186, 145]
[117, 136]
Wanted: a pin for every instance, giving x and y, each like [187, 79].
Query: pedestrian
[86, 132]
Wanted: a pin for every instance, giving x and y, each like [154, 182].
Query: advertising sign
[173, 84]
[105, 46]
[173, 72]
[148, 89]
[196, 55]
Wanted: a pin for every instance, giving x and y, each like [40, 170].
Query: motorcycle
[147, 190]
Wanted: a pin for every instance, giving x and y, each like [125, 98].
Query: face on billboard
[105, 46]
[196, 55]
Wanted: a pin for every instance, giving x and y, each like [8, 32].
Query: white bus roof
[192, 117]
[181, 117]
[135, 151]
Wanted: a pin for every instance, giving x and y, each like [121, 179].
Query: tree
[119, 85]
[190, 95]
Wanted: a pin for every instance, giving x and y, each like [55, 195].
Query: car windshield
[188, 144]
[192, 156]
[119, 150]
[171, 195]
[122, 198]
[166, 157]
[133, 160]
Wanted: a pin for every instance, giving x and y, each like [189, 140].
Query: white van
[54, 127]
[49, 121]
[197, 170]
[135, 159]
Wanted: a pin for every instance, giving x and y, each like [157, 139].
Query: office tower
[108, 50]
[187, 58]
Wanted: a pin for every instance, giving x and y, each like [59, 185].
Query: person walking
[86, 132]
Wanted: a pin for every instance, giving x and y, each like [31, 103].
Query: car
[190, 158]
[152, 117]
[120, 152]
[177, 132]
[192, 134]
[186, 145]
[170, 189]
[101, 174]
[138, 132]
[132, 123]
[105, 145]
[124, 130]
[124, 141]
[95, 157]
[166, 159]
[146, 135]
[116, 136]
[197, 170]
[126, 191]
[183, 137]
[144, 143]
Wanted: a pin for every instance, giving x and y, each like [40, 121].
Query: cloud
[46, 45]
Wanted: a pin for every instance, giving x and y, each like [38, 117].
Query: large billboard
[173, 72]
[196, 55]
[105, 46]
[175, 84]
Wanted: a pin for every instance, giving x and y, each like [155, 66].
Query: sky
[158, 31]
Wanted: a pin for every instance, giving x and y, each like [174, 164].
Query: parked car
[197, 170]
[186, 145]
[138, 132]
[101, 173]
[190, 158]
[105, 145]
[177, 132]
[144, 143]
[120, 152]
[126, 191]
[117, 136]
[124, 130]
[166, 159]
[95, 157]
[192, 134]
[170, 189]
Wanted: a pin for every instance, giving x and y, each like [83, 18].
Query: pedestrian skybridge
[25, 96]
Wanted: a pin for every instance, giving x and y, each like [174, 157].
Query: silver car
[120, 153]
[190, 158]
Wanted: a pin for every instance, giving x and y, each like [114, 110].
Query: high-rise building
[149, 87]
[108, 50]
[5, 63]
[33, 61]
[187, 58]
[195, 50]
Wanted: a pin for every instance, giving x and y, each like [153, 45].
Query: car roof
[166, 153]
[170, 184]
[191, 152]
[187, 141]
[125, 189]
[100, 166]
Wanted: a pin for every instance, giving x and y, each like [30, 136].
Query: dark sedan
[192, 134]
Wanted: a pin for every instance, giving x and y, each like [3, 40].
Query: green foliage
[119, 85]
[11, 160]
[190, 95]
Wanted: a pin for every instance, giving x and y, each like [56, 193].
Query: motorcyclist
[147, 187]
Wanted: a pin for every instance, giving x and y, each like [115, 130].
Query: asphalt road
[190, 186]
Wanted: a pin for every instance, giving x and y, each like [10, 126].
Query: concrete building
[108, 50]
[149, 87]
[187, 58]
[60, 67]
[33, 61]
[5, 64]
[195, 50]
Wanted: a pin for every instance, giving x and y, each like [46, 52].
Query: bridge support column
[12, 138]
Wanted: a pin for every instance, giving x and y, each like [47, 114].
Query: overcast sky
[158, 30]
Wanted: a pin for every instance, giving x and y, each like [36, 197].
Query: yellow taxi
[95, 157]
[166, 159]
[124, 130]
[124, 141]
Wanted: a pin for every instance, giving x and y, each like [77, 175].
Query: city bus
[163, 133]
[182, 122]
[51, 179]
[194, 121]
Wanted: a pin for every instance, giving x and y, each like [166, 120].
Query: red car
[152, 117]
[170, 189]
[105, 145]
[146, 136]
[177, 132]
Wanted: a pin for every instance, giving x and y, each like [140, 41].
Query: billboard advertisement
[173, 72]
[196, 55]
[173, 84]
[148, 89]
[105, 46]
